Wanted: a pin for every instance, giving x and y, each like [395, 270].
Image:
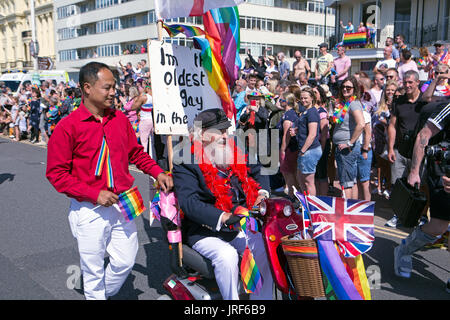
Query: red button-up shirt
[74, 148]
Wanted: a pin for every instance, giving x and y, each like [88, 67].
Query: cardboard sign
[180, 87]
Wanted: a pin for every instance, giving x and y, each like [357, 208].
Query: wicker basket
[303, 260]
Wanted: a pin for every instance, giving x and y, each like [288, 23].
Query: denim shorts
[364, 167]
[347, 161]
[307, 163]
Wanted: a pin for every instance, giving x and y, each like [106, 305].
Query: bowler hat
[213, 119]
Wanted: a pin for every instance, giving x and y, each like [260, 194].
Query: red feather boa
[218, 185]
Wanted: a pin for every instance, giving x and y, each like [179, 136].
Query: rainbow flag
[247, 222]
[104, 159]
[189, 31]
[217, 76]
[250, 275]
[355, 39]
[224, 22]
[344, 278]
[155, 209]
[131, 204]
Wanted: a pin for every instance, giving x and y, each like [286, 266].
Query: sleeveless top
[147, 108]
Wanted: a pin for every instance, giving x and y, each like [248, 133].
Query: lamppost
[34, 45]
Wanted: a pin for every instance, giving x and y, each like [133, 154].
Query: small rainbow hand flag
[250, 275]
[131, 204]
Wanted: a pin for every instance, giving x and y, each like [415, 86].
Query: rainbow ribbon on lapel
[105, 159]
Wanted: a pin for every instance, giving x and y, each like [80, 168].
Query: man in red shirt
[72, 156]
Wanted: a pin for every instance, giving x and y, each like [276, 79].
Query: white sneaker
[386, 194]
[392, 222]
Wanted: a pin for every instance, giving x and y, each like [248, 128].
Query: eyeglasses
[347, 88]
[436, 72]
[389, 77]
[381, 79]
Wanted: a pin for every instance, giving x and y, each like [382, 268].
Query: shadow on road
[6, 176]
[383, 251]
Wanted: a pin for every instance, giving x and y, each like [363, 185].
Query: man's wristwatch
[350, 144]
[364, 150]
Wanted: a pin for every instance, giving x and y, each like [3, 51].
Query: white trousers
[225, 260]
[99, 231]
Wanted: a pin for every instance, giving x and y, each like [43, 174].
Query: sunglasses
[347, 88]
[389, 77]
[436, 72]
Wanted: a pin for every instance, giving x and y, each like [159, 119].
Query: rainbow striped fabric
[250, 275]
[355, 39]
[189, 31]
[104, 159]
[303, 252]
[131, 204]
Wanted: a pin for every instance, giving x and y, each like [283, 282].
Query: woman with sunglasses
[349, 124]
[306, 130]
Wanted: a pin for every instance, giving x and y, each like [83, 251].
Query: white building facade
[117, 30]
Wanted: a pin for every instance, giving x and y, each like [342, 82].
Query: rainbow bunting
[354, 39]
[103, 158]
[188, 31]
[250, 275]
[131, 204]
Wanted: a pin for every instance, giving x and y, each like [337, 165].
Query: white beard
[220, 155]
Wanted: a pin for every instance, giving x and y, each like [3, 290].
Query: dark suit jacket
[197, 202]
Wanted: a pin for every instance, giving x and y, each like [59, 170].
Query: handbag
[407, 202]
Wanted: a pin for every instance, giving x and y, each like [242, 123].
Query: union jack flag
[349, 222]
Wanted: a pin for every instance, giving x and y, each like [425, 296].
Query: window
[99, 4]
[108, 50]
[67, 55]
[66, 11]
[446, 19]
[107, 25]
[402, 18]
[262, 2]
[151, 16]
[312, 53]
[256, 49]
[255, 23]
[67, 33]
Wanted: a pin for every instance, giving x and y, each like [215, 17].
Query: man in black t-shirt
[435, 130]
[405, 114]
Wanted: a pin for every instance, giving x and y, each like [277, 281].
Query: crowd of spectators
[333, 123]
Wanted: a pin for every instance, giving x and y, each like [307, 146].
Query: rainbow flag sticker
[131, 204]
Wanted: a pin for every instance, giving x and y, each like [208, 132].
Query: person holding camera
[404, 117]
[432, 143]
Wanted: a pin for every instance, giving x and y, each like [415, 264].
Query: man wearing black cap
[211, 190]
[324, 65]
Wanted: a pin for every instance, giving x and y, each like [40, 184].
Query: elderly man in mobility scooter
[209, 190]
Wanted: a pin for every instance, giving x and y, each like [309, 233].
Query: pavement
[39, 257]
